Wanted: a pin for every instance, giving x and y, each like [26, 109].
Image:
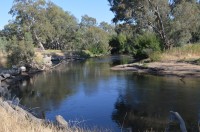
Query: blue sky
[98, 9]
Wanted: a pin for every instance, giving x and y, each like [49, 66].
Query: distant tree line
[41, 24]
[141, 28]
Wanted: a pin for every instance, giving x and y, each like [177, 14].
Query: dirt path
[159, 68]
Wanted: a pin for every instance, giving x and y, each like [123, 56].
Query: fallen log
[176, 117]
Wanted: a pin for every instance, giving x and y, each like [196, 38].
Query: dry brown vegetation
[184, 53]
[3, 59]
[17, 121]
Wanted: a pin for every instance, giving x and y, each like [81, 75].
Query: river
[87, 93]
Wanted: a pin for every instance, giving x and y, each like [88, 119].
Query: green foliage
[20, 51]
[121, 44]
[175, 22]
[95, 40]
[3, 43]
[87, 21]
[185, 22]
[107, 27]
[48, 26]
[146, 44]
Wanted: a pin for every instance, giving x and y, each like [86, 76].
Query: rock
[21, 112]
[5, 75]
[16, 101]
[47, 60]
[22, 68]
[61, 121]
[1, 78]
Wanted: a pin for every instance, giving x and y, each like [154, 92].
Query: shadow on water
[91, 92]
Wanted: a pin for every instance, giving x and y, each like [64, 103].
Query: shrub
[146, 44]
[20, 51]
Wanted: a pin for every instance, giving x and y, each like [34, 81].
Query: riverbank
[15, 119]
[179, 69]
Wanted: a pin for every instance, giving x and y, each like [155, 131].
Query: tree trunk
[162, 30]
[38, 41]
[179, 119]
[160, 27]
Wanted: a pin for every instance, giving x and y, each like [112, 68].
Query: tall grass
[187, 52]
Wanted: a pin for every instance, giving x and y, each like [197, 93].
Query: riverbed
[88, 93]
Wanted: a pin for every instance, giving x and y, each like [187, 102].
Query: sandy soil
[164, 69]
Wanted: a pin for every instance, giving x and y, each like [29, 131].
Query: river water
[87, 93]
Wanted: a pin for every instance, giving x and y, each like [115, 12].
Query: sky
[98, 9]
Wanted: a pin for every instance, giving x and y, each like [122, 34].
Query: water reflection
[146, 101]
[90, 91]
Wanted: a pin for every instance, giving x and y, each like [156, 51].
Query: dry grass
[15, 121]
[3, 60]
[12, 122]
[38, 58]
[187, 52]
[54, 52]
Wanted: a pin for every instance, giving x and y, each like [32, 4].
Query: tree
[161, 16]
[64, 27]
[107, 27]
[95, 40]
[50, 26]
[144, 14]
[87, 21]
[20, 51]
[30, 17]
[185, 22]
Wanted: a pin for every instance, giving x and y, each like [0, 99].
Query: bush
[20, 51]
[146, 44]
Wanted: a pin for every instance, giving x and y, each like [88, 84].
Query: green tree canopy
[164, 17]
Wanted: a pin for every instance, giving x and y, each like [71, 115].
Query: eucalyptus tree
[50, 26]
[185, 22]
[107, 27]
[30, 16]
[95, 40]
[87, 21]
[164, 17]
[64, 27]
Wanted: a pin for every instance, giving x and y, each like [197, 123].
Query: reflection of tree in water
[145, 102]
[47, 90]
[47, 93]
[126, 116]
[119, 60]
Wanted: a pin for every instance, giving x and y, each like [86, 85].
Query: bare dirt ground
[163, 68]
